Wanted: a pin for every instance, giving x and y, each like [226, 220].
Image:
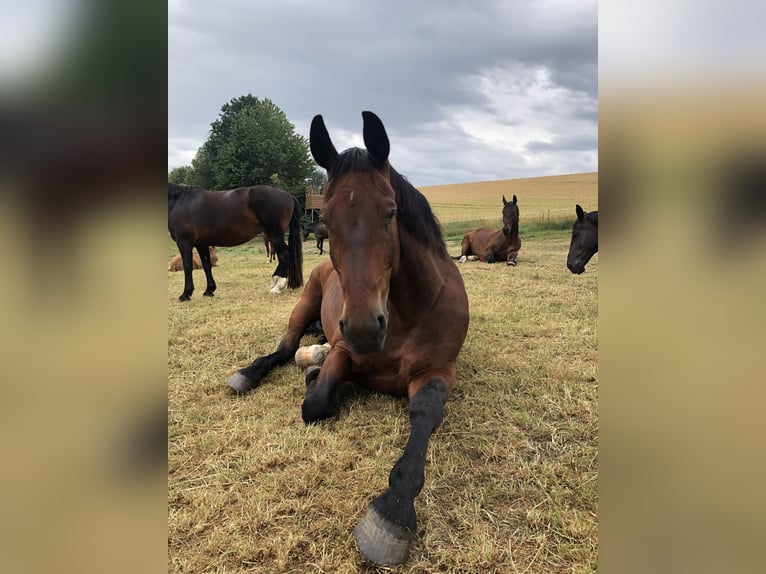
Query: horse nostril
[342, 325]
[569, 266]
[382, 322]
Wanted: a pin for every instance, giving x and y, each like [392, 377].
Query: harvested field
[540, 198]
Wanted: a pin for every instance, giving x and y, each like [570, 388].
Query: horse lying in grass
[394, 309]
[176, 264]
[491, 245]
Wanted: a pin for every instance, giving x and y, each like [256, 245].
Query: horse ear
[594, 217]
[580, 212]
[322, 150]
[514, 199]
[504, 201]
[375, 139]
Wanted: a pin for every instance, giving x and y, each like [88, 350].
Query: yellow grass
[511, 475]
[552, 197]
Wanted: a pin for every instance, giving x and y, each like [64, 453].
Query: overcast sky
[468, 90]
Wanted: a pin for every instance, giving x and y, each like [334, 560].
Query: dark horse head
[584, 240]
[359, 211]
[510, 216]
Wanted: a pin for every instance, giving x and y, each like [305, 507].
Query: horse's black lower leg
[384, 534]
[321, 385]
[304, 314]
[280, 249]
[207, 266]
[248, 378]
[186, 257]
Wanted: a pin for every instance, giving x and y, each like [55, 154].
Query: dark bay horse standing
[492, 245]
[198, 218]
[584, 240]
[320, 232]
[394, 310]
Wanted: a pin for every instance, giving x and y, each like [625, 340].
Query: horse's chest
[380, 372]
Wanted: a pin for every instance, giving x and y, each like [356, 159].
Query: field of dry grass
[540, 198]
[511, 475]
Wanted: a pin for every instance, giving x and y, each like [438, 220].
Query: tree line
[252, 143]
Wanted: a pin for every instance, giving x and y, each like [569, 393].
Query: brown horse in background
[491, 245]
[176, 264]
[198, 218]
[394, 310]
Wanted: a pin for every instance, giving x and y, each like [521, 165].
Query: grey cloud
[410, 62]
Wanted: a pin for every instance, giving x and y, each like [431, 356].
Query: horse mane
[176, 190]
[412, 208]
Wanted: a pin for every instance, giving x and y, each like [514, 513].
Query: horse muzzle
[365, 335]
[576, 267]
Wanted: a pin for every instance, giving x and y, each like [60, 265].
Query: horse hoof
[463, 259]
[278, 284]
[208, 294]
[240, 383]
[381, 541]
[183, 298]
[512, 263]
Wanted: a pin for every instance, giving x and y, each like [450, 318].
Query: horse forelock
[413, 210]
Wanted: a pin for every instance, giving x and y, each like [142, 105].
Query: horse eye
[391, 214]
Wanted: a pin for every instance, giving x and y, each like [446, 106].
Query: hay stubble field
[511, 475]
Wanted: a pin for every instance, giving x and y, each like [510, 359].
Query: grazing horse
[584, 240]
[200, 218]
[320, 232]
[176, 264]
[394, 309]
[492, 245]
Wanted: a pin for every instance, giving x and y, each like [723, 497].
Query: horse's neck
[419, 277]
[514, 230]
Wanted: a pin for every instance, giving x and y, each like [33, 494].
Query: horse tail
[295, 249]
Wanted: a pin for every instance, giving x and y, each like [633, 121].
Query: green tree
[253, 143]
[202, 168]
[183, 174]
[317, 179]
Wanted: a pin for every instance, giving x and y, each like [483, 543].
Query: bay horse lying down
[491, 245]
[176, 264]
[394, 310]
[198, 218]
[584, 240]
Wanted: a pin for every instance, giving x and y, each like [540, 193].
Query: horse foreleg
[186, 258]
[207, 266]
[321, 384]
[306, 312]
[320, 245]
[386, 531]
